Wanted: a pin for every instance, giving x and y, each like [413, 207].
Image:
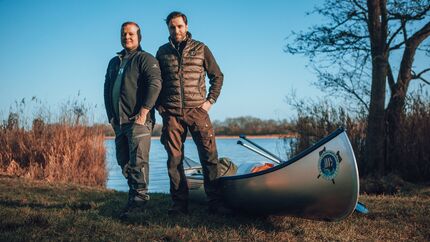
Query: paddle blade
[361, 208]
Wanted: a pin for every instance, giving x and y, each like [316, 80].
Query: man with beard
[184, 105]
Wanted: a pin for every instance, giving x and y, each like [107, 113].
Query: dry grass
[411, 155]
[67, 150]
[32, 210]
[57, 152]
[409, 159]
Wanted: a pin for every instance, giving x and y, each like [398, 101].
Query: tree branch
[419, 75]
[423, 71]
[418, 16]
[398, 46]
[364, 103]
[393, 36]
[390, 78]
[424, 80]
[359, 6]
[415, 40]
[340, 23]
[419, 36]
[405, 34]
[408, 56]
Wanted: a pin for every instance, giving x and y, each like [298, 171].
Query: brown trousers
[173, 136]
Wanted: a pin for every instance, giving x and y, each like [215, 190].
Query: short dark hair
[139, 35]
[176, 14]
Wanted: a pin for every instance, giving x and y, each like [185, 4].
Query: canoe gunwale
[299, 156]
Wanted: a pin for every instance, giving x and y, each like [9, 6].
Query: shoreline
[265, 136]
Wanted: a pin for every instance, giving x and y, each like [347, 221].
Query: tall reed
[410, 158]
[65, 151]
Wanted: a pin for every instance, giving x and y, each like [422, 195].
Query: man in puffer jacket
[184, 105]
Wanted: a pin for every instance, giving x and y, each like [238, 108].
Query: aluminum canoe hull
[320, 183]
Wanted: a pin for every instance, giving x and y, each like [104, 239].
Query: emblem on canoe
[328, 164]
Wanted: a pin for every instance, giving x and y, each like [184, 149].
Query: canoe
[320, 183]
[194, 174]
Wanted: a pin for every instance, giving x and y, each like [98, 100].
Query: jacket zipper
[121, 58]
[119, 98]
[181, 81]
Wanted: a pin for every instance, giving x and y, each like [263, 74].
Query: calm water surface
[158, 178]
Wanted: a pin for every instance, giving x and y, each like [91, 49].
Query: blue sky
[53, 49]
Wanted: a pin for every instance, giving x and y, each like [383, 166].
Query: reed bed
[68, 151]
[408, 160]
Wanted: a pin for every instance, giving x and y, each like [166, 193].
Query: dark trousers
[132, 143]
[173, 136]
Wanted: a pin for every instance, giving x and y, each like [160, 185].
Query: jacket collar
[123, 52]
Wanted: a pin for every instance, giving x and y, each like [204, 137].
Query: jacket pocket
[203, 125]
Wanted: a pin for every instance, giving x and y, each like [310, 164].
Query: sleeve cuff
[211, 100]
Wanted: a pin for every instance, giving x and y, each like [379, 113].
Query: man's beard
[180, 38]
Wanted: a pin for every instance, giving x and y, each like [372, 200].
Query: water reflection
[158, 178]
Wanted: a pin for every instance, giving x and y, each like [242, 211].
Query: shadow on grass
[48, 199]
[80, 205]
[155, 214]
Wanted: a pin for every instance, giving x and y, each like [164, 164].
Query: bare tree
[356, 53]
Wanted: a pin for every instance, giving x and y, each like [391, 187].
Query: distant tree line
[234, 126]
[251, 126]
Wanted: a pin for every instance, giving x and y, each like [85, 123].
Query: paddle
[361, 208]
[278, 160]
[258, 152]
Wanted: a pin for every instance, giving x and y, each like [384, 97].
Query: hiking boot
[220, 210]
[137, 200]
[131, 207]
[134, 202]
[176, 210]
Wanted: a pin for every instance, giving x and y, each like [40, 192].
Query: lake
[158, 178]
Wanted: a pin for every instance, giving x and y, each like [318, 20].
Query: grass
[36, 210]
[40, 145]
[54, 152]
[57, 152]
